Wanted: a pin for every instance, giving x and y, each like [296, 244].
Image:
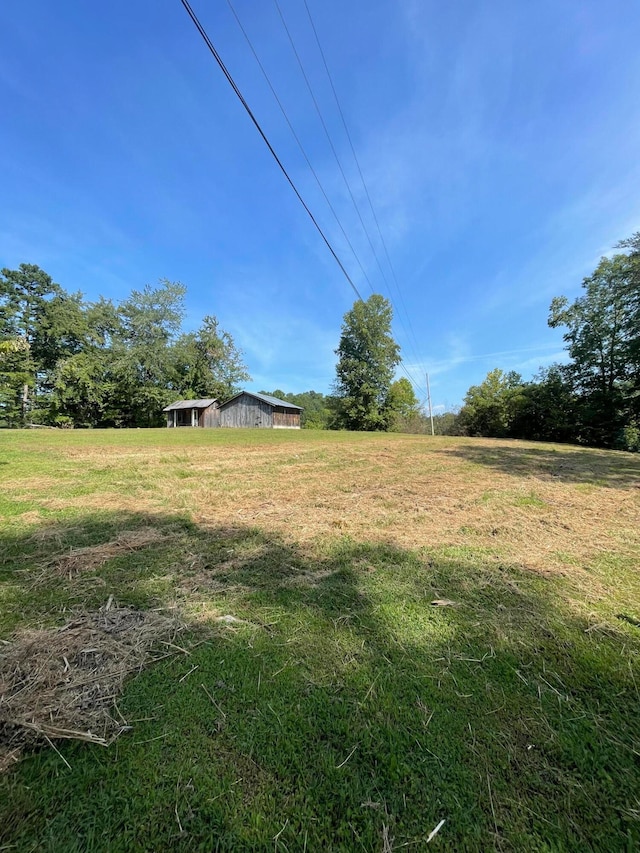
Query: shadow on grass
[571, 465]
[342, 703]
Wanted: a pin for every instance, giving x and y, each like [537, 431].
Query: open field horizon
[339, 708]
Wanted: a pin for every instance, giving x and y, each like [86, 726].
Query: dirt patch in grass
[63, 682]
[88, 559]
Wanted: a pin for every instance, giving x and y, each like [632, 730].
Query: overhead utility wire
[326, 130]
[235, 88]
[306, 157]
[364, 184]
[237, 91]
[297, 139]
[337, 159]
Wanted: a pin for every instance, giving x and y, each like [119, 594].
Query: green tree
[13, 377]
[403, 407]
[547, 408]
[367, 357]
[83, 390]
[84, 383]
[446, 423]
[632, 325]
[31, 306]
[315, 409]
[603, 341]
[207, 363]
[490, 408]
[141, 362]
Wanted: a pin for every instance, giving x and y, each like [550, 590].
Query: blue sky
[499, 141]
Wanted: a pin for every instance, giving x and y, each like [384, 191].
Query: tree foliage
[367, 358]
[207, 363]
[595, 398]
[603, 342]
[31, 311]
[67, 361]
[489, 407]
[405, 414]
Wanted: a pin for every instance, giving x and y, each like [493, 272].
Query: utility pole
[429, 399]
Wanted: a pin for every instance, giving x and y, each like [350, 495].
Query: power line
[304, 153]
[364, 183]
[297, 139]
[326, 129]
[242, 100]
[333, 149]
[258, 127]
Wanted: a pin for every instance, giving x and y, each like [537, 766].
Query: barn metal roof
[189, 404]
[266, 398]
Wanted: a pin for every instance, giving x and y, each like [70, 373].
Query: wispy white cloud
[452, 375]
[453, 361]
[284, 344]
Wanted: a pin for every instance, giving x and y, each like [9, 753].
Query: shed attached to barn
[249, 409]
[193, 413]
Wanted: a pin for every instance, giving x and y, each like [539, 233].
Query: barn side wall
[286, 418]
[210, 417]
[246, 411]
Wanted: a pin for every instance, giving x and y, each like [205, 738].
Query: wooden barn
[248, 409]
[193, 413]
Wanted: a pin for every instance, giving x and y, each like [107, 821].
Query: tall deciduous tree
[633, 315]
[403, 406]
[14, 354]
[597, 323]
[27, 313]
[367, 357]
[84, 383]
[546, 409]
[603, 341]
[149, 323]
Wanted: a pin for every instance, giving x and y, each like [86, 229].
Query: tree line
[65, 361]
[68, 362]
[594, 399]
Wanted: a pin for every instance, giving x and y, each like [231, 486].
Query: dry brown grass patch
[63, 682]
[527, 502]
[31, 517]
[421, 499]
[92, 557]
[102, 501]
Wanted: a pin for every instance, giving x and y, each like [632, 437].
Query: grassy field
[340, 709]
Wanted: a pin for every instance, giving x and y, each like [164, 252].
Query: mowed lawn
[340, 709]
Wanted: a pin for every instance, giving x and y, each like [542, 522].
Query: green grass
[529, 500]
[345, 702]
